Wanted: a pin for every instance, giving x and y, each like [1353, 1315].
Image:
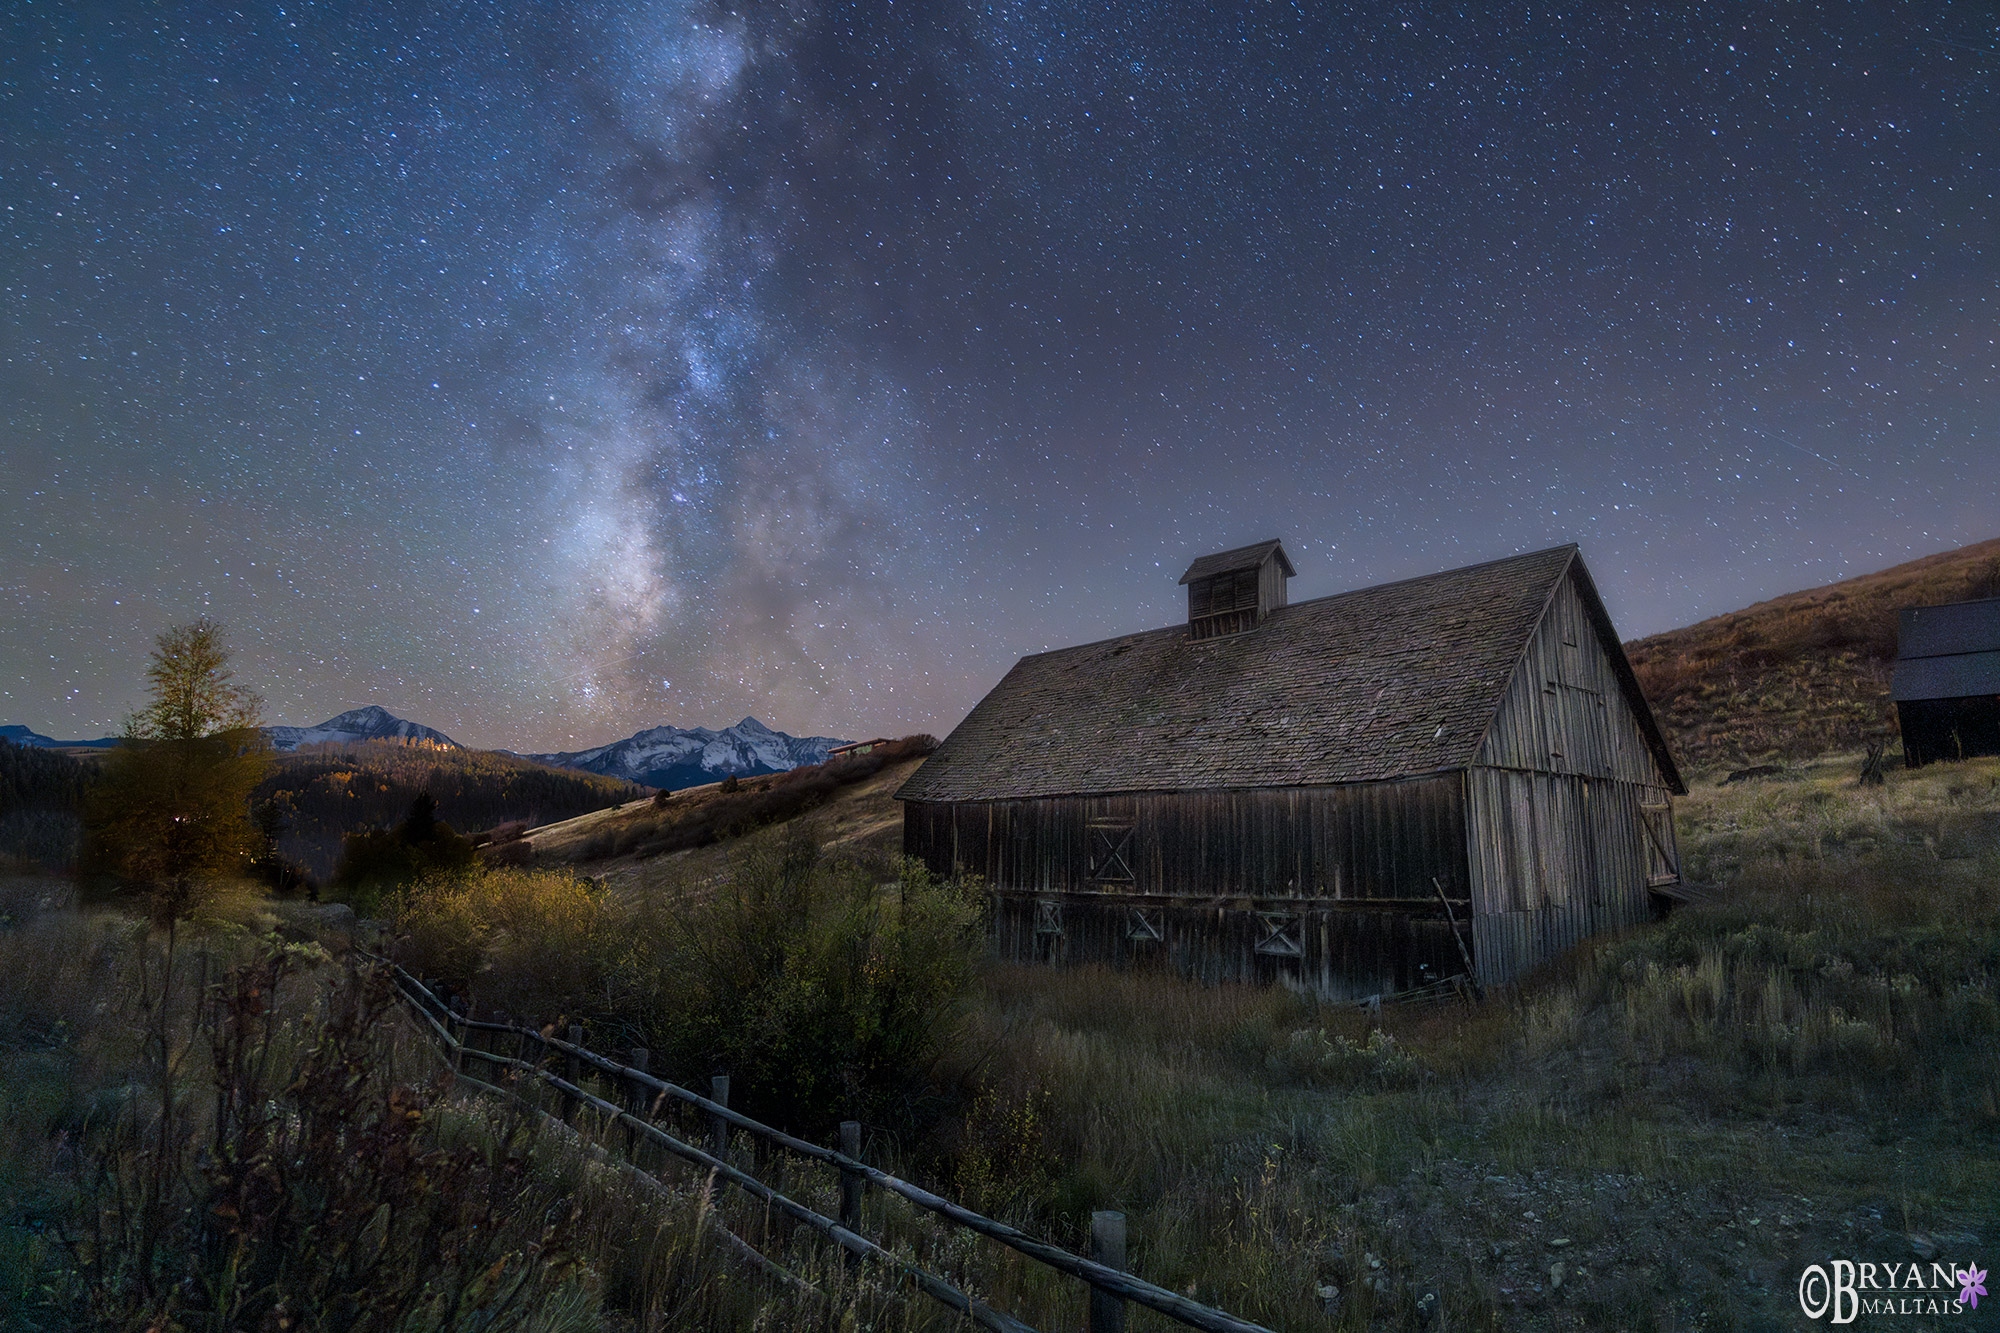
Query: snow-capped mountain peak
[371, 722]
[690, 756]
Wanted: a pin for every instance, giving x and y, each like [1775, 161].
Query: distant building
[1947, 681]
[855, 747]
[1352, 795]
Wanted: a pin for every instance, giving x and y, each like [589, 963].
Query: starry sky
[544, 371]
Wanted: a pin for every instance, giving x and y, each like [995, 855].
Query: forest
[315, 797]
[319, 794]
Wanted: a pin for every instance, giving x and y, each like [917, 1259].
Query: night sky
[546, 371]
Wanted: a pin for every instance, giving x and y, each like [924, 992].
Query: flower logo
[1972, 1285]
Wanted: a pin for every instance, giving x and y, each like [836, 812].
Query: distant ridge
[1802, 674]
[20, 735]
[675, 757]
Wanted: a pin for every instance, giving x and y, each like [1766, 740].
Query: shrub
[534, 942]
[312, 1191]
[824, 995]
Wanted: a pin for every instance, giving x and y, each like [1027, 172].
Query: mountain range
[657, 757]
[674, 757]
[21, 735]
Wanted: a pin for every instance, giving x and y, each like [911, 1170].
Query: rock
[1923, 1246]
[1558, 1242]
[1557, 1272]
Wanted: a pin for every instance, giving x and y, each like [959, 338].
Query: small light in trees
[169, 822]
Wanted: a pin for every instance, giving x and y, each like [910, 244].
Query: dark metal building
[1947, 681]
[1354, 795]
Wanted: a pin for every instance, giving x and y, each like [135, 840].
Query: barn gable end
[1569, 800]
[1572, 704]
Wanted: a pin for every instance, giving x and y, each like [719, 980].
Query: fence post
[572, 1072]
[718, 1128]
[495, 1048]
[851, 1183]
[1107, 1246]
[636, 1100]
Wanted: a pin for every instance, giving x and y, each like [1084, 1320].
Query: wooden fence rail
[1111, 1285]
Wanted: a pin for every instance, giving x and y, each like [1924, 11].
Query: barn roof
[1243, 557]
[1948, 652]
[1379, 683]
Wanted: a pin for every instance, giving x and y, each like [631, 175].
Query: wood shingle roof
[1379, 683]
[1243, 557]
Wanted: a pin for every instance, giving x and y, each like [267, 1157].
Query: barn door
[1663, 857]
[1112, 855]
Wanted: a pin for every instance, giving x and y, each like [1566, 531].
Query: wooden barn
[1947, 681]
[1356, 795]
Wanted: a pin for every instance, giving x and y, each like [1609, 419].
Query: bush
[823, 995]
[533, 942]
[312, 1192]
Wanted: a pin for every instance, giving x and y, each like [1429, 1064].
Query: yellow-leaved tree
[169, 822]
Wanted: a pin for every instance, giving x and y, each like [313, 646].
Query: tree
[169, 823]
[170, 820]
[375, 861]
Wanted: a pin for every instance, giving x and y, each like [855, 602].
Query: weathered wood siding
[1380, 840]
[1557, 807]
[1565, 710]
[1338, 951]
[1344, 872]
[1555, 859]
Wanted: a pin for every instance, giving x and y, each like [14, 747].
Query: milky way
[547, 371]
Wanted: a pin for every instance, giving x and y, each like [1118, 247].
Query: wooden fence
[1111, 1286]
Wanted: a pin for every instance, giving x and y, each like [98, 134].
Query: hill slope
[850, 804]
[331, 790]
[1801, 674]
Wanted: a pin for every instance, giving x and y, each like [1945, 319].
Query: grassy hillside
[328, 791]
[641, 846]
[1802, 674]
[1670, 1123]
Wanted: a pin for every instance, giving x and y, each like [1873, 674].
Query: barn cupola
[1232, 591]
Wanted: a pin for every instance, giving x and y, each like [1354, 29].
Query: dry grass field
[1658, 1133]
